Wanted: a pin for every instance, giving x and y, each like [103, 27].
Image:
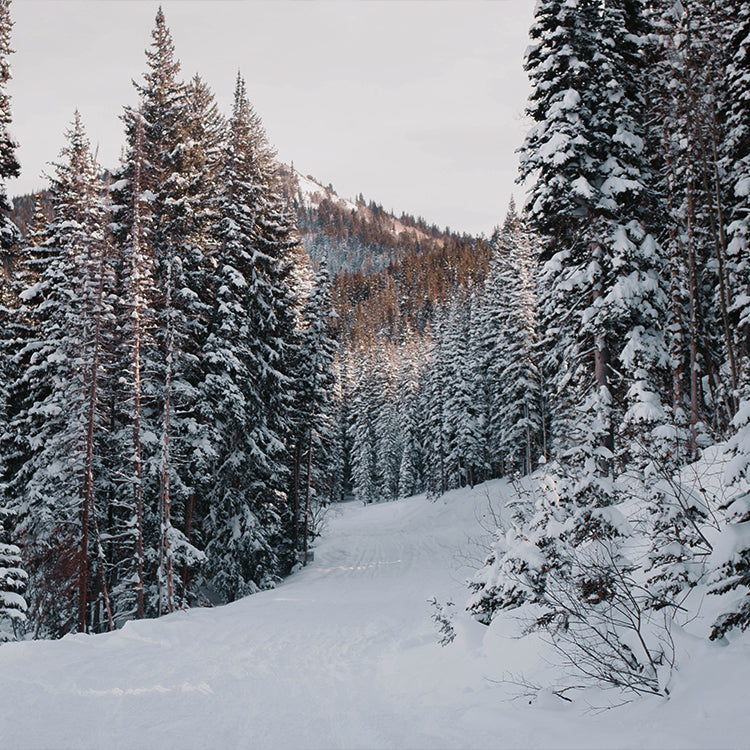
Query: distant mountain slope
[390, 272]
[354, 234]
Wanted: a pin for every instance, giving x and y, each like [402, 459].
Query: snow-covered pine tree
[337, 469]
[153, 136]
[278, 265]
[409, 471]
[589, 201]
[465, 448]
[230, 553]
[129, 505]
[361, 432]
[736, 165]
[12, 582]
[410, 480]
[516, 417]
[23, 292]
[693, 108]
[249, 342]
[690, 207]
[188, 454]
[386, 425]
[316, 410]
[9, 166]
[54, 487]
[432, 395]
[601, 284]
[178, 130]
[731, 556]
[488, 346]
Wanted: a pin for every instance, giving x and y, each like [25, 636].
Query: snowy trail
[342, 655]
[300, 666]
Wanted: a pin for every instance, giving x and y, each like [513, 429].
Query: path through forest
[342, 655]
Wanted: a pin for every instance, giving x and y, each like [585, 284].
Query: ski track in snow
[341, 655]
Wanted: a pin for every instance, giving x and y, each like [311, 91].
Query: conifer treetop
[9, 166]
[162, 63]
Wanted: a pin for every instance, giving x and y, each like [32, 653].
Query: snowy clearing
[344, 655]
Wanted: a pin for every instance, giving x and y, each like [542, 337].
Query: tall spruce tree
[173, 139]
[601, 284]
[12, 584]
[245, 384]
[736, 164]
[731, 563]
[316, 410]
[361, 432]
[55, 485]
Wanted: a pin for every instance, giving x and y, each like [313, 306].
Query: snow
[344, 654]
[582, 187]
[556, 148]
[312, 193]
[742, 188]
[32, 291]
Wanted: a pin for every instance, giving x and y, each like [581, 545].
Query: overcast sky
[417, 105]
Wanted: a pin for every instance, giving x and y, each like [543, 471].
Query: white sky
[417, 105]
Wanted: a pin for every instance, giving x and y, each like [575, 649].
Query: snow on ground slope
[343, 655]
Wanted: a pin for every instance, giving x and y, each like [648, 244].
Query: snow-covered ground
[344, 655]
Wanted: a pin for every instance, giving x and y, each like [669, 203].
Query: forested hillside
[167, 374]
[609, 347]
[203, 348]
[388, 273]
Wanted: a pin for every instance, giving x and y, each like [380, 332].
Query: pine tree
[54, 486]
[130, 507]
[731, 560]
[432, 390]
[361, 432]
[508, 348]
[155, 144]
[245, 385]
[173, 139]
[410, 479]
[736, 163]
[601, 285]
[316, 399]
[465, 448]
[13, 580]
[12, 585]
[9, 166]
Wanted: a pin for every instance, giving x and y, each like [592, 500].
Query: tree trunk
[137, 304]
[188, 530]
[693, 318]
[297, 461]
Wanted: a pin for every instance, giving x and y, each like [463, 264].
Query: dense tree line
[609, 341]
[169, 400]
[404, 297]
[459, 401]
[176, 409]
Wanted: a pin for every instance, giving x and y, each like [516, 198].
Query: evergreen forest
[197, 359]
